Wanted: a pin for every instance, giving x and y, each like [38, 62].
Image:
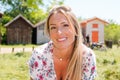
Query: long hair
[74, 69]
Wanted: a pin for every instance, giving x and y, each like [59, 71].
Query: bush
[112, 32]
[19, 54]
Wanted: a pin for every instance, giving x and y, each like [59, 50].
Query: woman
[65, 57]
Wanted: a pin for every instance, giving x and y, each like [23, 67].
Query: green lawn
[14, 66]
[108, 64]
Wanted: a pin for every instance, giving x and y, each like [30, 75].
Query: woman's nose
[59, 31]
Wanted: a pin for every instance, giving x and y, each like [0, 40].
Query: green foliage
[36, 16]
[5, 19]
[14, 67]
[34, 3]
[112, 32]
[2, 29]
[108, 63]
[33, 10]
[112, 75]
[24, 7]
[51, 3]
[4, 39]
[19, 54]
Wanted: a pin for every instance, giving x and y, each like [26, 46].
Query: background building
[94, 27]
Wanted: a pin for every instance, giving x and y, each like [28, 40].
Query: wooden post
[23, 49]
[12, 49]
[33, 48]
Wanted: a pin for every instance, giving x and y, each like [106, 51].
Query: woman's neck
[63, 53]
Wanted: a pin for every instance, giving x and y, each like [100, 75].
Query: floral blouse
[41, 64]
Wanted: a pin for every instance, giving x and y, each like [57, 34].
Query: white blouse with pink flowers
[41, 64]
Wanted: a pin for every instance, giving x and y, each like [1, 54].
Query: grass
[14, 66]
[108, 64]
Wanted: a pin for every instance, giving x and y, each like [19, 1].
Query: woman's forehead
[58, 17]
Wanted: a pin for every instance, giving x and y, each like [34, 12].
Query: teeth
[62, 39]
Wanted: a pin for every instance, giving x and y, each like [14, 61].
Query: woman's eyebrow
[52, 24]
[60, 23]
[63, 22]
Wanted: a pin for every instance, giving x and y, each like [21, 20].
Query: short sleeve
[33, 64]
[89, 65]
[41, 65]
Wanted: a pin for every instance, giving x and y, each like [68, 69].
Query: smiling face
[60, 31]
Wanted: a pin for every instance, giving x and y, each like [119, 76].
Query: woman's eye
[52, 28]
[66, 25]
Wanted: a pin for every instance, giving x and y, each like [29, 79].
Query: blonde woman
[65, 57]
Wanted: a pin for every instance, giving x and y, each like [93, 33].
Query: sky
[104, 9]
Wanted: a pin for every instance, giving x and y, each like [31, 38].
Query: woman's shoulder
[87, 51]
[89, 63]
[43, 49]
[40, 53]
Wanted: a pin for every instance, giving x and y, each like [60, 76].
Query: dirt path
[14, 50]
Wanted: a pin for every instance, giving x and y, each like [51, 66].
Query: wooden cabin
[1, 15]
[19, 31]
[41, 37]
[94, 28]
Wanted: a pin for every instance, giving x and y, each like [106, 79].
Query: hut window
[95, 25]
[39, 27]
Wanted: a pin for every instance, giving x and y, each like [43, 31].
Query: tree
[51, 3]
[24, 7]
[33, 10]
[112, 32]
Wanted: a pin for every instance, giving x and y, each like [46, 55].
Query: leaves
[37, 16]
[30, 9]
[112, 32]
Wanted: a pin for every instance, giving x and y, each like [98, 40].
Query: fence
[15, 50]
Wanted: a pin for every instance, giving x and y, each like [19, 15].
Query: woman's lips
[61, 39]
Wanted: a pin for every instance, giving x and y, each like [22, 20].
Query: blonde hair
[74, 69]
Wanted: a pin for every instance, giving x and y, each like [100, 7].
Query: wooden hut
[94, 27]
[1, 15]
[41, 37]
[19, 31]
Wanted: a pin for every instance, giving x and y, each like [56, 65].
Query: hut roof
[94, 18]
[17, 17]
[40, 23]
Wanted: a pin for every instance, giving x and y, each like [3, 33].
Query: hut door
[94, 36]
